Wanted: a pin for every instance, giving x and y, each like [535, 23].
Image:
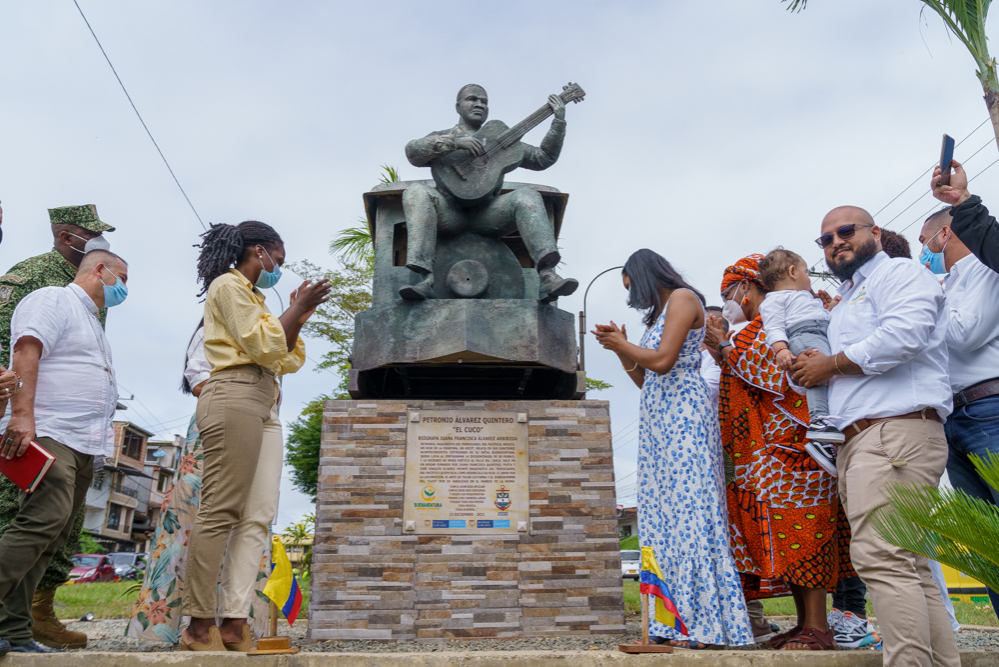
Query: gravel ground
[109, 636]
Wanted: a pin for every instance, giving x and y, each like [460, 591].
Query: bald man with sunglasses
[889, 393]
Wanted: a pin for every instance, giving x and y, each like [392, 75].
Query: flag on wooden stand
[282, 586]
[653, 583]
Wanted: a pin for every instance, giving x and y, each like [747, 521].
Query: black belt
[976, 392]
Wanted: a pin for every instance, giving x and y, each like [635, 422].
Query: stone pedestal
[371, 579]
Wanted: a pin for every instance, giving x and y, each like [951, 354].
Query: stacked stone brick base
[370, 581]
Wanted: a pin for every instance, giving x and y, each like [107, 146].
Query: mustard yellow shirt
[240, 330]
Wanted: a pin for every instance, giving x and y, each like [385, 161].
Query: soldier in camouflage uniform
[72, 228]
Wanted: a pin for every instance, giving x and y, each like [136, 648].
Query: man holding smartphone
[971, 220]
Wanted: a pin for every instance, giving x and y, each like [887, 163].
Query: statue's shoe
[420, 291]
[552, 287]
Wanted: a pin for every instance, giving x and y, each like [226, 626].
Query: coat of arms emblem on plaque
[503, 498]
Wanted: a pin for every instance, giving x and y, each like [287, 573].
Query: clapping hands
[610, 336]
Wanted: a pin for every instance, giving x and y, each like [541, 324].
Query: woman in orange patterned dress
[789, 536]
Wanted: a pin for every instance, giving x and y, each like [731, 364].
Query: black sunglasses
[845, 232]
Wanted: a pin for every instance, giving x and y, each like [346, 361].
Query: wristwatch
[722, 345]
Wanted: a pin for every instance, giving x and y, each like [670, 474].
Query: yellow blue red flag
[282, 586]
[653, 583]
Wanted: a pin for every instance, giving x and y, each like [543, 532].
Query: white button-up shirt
[711, 374]
[786, 308]
[892, 322]
[198, 368]
[77, 392]
[973, 328]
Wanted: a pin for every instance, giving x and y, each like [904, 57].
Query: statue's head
[472, 104]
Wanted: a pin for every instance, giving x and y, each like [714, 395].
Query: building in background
[162, 458]
[296, 553]
[119, 494]
[627, 521]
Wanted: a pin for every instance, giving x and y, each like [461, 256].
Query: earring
[745, 300]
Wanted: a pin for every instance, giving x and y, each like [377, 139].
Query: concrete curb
[481, 659]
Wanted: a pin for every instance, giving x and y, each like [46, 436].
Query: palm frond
[966, 19]
[796, 5]
[988, 468]
[948, 526]
[354, 244]
[389, 175]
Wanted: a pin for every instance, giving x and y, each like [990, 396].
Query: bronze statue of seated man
[437, 211]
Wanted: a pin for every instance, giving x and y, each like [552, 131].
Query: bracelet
[20, 382]
[628, 370]
[836, 364]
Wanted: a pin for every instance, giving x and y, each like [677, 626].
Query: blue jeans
[973, 429]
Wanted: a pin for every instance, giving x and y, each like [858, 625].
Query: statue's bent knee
[528, 198]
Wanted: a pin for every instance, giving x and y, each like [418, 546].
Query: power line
[144, 126]
[923, 216]
[921, 177]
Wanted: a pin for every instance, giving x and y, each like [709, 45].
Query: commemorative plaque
[466, 473]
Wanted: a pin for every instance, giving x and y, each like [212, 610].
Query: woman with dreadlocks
[248, 349]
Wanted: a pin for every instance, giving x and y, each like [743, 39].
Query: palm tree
[966, 19]
[947, 525]
[354, 244]
[298, 534]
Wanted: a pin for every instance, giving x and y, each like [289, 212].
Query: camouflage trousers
[62, 562]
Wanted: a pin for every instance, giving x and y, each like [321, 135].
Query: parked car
[128, 565]
[91, 568]
[631, 563]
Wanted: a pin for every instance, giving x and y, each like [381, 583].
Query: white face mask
[732, 311]
[96, 243]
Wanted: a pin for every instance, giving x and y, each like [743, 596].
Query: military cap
[82, 216]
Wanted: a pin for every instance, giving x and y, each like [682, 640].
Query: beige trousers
[241, 439]
[913, 621]
[250, 537]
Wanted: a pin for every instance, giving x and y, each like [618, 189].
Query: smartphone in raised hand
[946, 157]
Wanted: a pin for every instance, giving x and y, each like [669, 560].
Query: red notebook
[28, 471]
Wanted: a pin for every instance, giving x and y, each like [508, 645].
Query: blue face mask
[935, 259]
[267, 278]
[114, 294]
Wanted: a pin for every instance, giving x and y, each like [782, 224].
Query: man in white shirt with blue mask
[66, 404]
[889, 393]
[973, 343]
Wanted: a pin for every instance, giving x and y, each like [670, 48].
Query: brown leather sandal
[814, 639]
[781, 638]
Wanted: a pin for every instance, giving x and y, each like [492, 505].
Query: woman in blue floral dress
[681, 482]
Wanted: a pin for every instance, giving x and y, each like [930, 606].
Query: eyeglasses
[845, 232]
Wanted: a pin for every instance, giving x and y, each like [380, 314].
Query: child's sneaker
[821, 429]
[855, 632]
[824, 454]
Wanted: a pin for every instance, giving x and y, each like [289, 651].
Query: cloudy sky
[709, 131]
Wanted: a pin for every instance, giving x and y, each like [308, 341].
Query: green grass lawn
[114, 600]
[967, 613]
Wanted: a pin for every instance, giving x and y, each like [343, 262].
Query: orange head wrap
[747, 268]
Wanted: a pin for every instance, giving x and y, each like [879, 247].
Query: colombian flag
[282, 587]
[652, 583]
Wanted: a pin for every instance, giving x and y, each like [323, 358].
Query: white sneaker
[854, 632]
[833, 618]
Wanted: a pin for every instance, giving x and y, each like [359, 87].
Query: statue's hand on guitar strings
[470, 144]
[557, 105]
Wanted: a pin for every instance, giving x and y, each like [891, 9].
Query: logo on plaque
[428, 493]
[503, 498]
